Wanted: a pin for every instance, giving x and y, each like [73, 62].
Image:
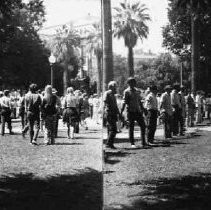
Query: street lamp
[52, 60]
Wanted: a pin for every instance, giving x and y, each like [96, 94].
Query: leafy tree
[130, 24]
[159, 71]
[189, 25]
[23, 57]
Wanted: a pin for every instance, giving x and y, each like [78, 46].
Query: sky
[64, 11]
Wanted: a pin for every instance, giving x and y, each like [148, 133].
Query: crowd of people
[176, 108]
[41, 110]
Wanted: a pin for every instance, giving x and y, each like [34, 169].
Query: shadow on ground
[185, 193]
[78, 191]
[114, 154]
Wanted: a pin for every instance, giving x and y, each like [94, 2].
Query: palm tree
[64, 47]
[107, 43]
[130, 24]
[194, 6]
[94, 45]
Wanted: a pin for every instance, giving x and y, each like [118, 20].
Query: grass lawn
[175, 177]
[67, 175]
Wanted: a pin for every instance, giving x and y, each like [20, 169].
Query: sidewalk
[173, 177]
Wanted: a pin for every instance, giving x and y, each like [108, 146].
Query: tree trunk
[194, 53]
[107, 43]
[99, 75]
[130, 62]
[65, 79]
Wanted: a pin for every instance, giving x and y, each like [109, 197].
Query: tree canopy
[23, 56]
[177, 34]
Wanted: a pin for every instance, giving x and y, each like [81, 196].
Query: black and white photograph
[105, 105]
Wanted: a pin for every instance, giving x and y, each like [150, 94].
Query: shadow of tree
[183, 193]
[82, 190]
[114, 154]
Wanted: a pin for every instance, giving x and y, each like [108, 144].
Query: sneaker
[11, 133]
[34, 142]
[133, 146]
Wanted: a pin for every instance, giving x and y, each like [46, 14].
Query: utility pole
[107, 42]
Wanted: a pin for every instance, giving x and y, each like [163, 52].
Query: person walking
[6, 112]
[70, 114]
[84, 111]
[132, 100]
[49, 115]
[166, 112]
[111, 113]
[22, 110]
[151, 104]
[32, 103]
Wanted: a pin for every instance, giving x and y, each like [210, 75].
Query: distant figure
[70, 114]
[190, 109]
[6, 112]
[208, 102]
[151, 104]
[198, 102]
[166, 112]
[176, 105]
[58, 111]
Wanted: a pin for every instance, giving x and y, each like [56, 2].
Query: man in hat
[6, 112]
[132, 100]
[151, 104]
[166, 111]
[111, 113]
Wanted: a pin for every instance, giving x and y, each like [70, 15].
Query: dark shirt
[49, 105]
[32, 102]
[110, 103]
[133, 100]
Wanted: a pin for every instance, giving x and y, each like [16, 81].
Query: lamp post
[52, 60]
